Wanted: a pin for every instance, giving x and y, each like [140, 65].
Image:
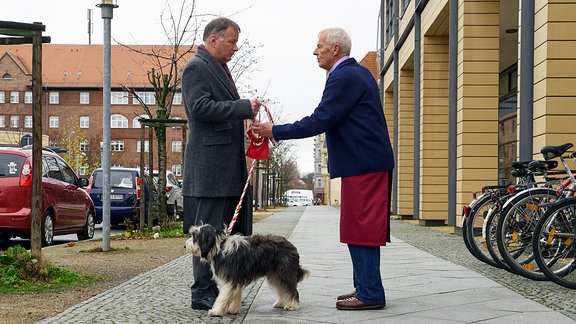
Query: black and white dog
[238, 260]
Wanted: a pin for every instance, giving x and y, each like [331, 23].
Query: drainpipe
[382, 43]
[526, 129]
[417, 92]
[452, 110]
[395, 114]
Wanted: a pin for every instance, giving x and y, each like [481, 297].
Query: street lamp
[107, 7]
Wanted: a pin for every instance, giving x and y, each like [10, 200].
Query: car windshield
[118, 179]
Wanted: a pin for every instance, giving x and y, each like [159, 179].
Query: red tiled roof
[81, 65]
[370, 61]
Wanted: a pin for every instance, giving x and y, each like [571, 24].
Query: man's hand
[255, 107]
[263, 129]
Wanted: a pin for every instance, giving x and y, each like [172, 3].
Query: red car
[66, 207]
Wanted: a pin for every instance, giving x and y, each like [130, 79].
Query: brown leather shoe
[355, 304]
[346, 296]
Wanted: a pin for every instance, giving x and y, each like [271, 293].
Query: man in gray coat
[215, 165]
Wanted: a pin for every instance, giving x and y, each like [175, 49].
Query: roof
[370, 61]
[81, 65]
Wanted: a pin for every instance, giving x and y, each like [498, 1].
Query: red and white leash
[239, 206]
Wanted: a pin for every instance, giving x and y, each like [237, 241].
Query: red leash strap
[258, 150]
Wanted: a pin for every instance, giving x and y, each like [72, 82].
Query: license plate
[116, 197]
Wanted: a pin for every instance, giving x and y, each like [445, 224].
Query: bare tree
[181, 27]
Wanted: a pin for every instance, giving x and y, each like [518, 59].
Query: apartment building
[72, 102]
[468, 87]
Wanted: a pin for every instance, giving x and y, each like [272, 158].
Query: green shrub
[20, 273]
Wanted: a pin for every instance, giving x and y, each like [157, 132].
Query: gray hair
[218, 27]
[338, 36]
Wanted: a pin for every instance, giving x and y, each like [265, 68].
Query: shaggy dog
[238, 260]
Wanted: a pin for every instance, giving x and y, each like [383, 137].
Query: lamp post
[107, 7]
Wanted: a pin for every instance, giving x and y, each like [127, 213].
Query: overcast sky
[287, 30]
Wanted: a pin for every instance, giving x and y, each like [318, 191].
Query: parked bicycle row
[528, 228]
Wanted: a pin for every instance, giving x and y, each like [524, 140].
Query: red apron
[365, 209]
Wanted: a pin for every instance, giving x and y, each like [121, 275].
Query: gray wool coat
[214, 163]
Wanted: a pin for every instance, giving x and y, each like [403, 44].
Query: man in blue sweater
[359, 152]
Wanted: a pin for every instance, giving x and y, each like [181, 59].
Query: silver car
[175, 202]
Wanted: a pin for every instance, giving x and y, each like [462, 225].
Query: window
[2, 97]
[147, 97]
[136, 122]
[119, 98]
[176, 146]
[177, 100]
[27, 121]
[146, 146]
[118, 121]
[404, 5]
[84, 122]
[7, 76]
[54, 98]
[389, 21]
[14, 121]
[84, 98]
[54, 121]
[177, 170]
[14, 97]
[84, 146]
[117, 146]
[28, 97]
[53, 170]
[2, 121]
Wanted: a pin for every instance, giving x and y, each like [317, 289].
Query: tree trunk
[162, 199]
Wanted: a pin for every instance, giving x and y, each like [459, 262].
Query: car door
[75, 199]
[55, 194]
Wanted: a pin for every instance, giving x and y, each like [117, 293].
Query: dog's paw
[293, 307]
[215, 313]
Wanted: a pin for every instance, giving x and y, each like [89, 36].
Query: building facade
[469, 86]
[72, 103]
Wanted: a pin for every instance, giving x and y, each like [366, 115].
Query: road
[60, 239]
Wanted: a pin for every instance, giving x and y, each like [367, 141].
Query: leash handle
[239, 206]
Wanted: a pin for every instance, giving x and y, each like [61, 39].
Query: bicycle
[519, 216]
[554, 239]
[475, 213]
[489, 228]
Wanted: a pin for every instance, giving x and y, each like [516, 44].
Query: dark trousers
[214, 211]
[367, 278]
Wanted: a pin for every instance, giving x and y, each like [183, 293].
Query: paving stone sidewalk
[428, 275]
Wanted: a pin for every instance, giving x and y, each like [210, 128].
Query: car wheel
[88, 231]
[47, 229]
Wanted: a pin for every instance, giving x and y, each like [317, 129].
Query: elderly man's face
[223, 48]
[326, 54]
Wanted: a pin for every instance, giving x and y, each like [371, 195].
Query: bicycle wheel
[473, 230]
[489, 233]
[516, 227]
[554, 243]
[466, 214]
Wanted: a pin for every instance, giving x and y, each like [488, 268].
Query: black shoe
[203, 304]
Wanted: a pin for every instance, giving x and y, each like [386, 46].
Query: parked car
[127, 187]
[66, 207]
[175, 202]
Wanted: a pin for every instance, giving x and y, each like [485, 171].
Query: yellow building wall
[478, 79]
[405, 154]
[554, 74]
[433, 197]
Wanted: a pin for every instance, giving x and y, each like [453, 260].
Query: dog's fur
[238, 260]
